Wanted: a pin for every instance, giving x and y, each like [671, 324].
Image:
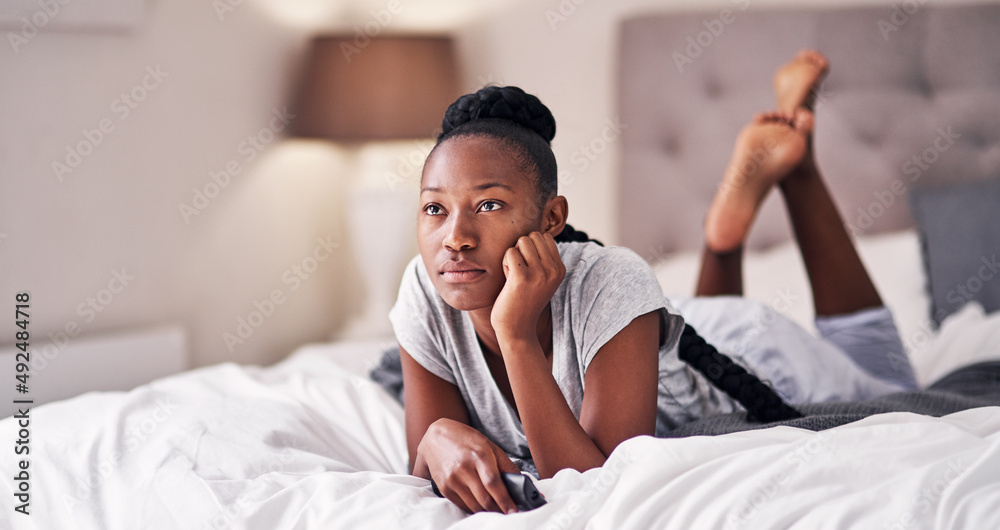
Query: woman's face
[475, 202]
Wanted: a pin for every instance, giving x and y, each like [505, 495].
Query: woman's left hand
[534, 271]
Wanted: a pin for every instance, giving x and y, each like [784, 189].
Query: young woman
[519, 352]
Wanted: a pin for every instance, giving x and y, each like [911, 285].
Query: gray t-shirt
[605, 288]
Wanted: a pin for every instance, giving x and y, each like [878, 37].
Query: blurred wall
[105, 135]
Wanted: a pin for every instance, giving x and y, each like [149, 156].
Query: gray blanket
[969, 387]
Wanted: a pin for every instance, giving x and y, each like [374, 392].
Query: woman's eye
[489, 206]
[432, 209]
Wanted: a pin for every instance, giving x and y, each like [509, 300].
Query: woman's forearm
[556, 439]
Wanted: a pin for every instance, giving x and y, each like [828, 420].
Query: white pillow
[777, 274]
[966, 337]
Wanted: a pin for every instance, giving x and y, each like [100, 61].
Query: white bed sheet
[309, 443]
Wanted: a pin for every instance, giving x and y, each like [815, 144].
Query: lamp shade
[390, 88]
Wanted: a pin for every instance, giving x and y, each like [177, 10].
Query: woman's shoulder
[589, 255]
[592, 269]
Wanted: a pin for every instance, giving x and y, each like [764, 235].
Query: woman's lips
[461, 272]
[464, 276]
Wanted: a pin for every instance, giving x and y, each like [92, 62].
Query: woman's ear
[554, 218]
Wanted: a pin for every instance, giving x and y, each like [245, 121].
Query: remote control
[521, 489]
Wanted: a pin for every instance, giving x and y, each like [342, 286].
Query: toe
[816, 58]
[803, 120]
[805, 54]
[777, 117]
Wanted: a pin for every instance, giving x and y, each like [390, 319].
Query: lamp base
[381, 224]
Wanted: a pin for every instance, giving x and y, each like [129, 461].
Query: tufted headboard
[911, 100]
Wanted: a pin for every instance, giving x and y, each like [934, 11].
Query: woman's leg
[776, 148]
[764, 154]
[849, 310]
[841, 286]
[767, 150]
[840, 283]
[721, 273]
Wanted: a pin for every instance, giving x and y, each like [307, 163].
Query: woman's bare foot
[796, 82]
[767, 150]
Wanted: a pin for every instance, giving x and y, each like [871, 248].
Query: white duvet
[310, 444]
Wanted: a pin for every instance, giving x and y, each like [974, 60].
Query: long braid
[572, 235]
[760, 401]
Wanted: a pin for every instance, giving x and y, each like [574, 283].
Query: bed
[313, 442]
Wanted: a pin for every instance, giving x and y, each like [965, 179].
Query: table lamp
[369, 94]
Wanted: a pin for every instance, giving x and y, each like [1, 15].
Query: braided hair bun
[522, 126]
[505, 103]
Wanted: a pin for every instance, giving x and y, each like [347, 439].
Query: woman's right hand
[466, 467]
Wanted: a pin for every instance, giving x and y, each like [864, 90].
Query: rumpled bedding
[308, 443]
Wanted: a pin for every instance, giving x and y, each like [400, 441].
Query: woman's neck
[488, 337]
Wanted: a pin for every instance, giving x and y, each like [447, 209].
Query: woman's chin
[468, 301]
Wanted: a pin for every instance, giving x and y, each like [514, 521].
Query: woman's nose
[460, 234]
